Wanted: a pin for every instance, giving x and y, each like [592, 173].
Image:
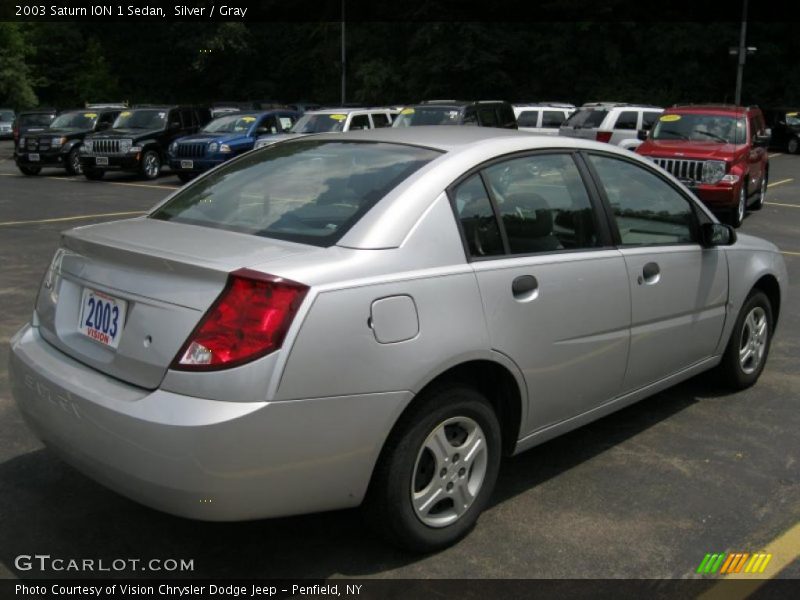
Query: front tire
[762, 193]
[736, 217]
[29, 171]
[151, 165]
[73, 163]
[437, 470]
[748, 347]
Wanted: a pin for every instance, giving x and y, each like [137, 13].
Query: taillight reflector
[248, 320]
[604, 136]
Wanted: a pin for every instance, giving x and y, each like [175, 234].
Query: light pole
[742, 54]
[344, 58]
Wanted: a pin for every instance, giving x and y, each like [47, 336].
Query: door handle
[525, 288]
[651, 274]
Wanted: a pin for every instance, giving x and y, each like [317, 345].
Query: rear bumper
[199, 458]
[115, 163]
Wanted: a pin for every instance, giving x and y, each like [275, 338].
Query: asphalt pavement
[643, 493]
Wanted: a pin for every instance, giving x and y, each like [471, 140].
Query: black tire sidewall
[732, 370]
[29, 171]
[70, 157]
[143, 171]
[401, 524]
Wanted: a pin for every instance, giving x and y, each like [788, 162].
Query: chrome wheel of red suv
[737, 213]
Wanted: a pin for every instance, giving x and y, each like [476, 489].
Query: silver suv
[612, 122]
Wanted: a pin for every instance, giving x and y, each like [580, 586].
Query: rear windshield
[428, 115]
[586, 118]
[308, 191]
[793, 118]
[320, 123]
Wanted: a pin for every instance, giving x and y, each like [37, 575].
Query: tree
[16, 87]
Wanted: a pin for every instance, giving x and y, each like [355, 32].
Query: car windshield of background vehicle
[36, 119]
[587, 118]
[721, 129]
[6, 115]
[793, 119]
[306, 191]
[75, 120]
[319, 123]
[428, 115]
[141, 119]
[230, 124]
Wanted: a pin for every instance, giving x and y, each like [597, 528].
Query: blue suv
[223, 138]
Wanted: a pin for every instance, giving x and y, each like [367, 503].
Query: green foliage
[16, 85]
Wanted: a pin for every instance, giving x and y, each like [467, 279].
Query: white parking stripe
[781, 182]
[59, 219]
[776, 154]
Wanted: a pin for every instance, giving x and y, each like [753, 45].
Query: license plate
[101, 160]
[33, 157]
[187, 164]
[102, 317]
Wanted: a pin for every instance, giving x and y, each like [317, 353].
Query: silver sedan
[377, 317]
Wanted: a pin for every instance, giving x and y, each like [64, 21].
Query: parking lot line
[785, 549]
[66, 178]
[775, 154]
[783, 204]
[59, 219]
[782, 181]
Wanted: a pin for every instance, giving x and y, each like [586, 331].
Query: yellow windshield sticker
[90, 115]
[792, 114]
[338, 117]
[248, 119]
[127, 113]
[407, 111]
[670, 118]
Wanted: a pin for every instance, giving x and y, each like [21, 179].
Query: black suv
[32, 121]
[139, 140]
[59, 145]
[785, 125]
[484, 113]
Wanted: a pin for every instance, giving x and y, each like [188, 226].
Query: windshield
[36, 119]
[586, 118]
[6, 115]
[141, 119]
[307, 191]
[793, 118]
[75, 120]
[231, 124]
[720, 129]
[428, 115]
[319, 123]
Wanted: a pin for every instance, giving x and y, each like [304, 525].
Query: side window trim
[609, 211]
[604, 231]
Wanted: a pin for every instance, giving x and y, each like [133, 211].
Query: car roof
[730, 109]
[345, 110]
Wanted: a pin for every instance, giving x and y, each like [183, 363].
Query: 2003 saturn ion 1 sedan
[379, 316]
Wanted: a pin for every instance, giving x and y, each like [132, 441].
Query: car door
[678, 289]
[555, 291]
[626, 126]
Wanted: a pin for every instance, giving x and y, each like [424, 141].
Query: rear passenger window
[646, 209]
[505, 116]
[380, 120]
[487, 116]
[626, 120]
[360, 122]
[649, 119]
[552, 119]
[528, 118]
[543, 204]
[478, 222]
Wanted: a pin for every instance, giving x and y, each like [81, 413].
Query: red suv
[718, 151]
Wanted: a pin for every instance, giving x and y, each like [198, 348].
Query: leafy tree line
[67, 64]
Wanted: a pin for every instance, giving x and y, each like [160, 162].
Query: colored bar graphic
[733, 562]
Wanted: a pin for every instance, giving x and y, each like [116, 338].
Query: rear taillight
[604, 136]
[248, 320]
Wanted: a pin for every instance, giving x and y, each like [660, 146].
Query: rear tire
[437, 470]
[793, 146]
[94, 174]
[73, 164]
[748, 347]
[29, 171]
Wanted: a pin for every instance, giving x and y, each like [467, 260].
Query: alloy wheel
[742, 207]
[753, 343]
[449, 471]
[151, 166]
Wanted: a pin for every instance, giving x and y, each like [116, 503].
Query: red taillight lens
[248, 320]
[604, 136]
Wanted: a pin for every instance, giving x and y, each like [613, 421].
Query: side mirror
[641, 134]
[717, 234]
